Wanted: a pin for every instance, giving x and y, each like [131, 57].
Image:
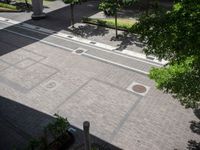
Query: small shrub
[58, 127]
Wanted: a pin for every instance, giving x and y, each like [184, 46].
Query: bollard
[86, 127]
[37, 10]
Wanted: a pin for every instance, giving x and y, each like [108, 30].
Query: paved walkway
[58, 19]
[83, 82]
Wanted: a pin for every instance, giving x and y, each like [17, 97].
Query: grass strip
[123, 24]
[8, 6]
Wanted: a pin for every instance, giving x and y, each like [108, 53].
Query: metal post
[86, 127]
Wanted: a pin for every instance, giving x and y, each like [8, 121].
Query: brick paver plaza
[52, 80]
[39, 79]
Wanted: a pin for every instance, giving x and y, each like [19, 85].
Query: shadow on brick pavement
[19, 124]
[195, 127]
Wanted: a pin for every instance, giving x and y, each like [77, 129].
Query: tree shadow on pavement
[20, 123]
[193, 145]
[127, 39]
[87, 30]
[195, 128]
[59, 19]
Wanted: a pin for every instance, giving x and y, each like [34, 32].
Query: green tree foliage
[175, 36]
[111, 7]
[58, 127]
[72, 3]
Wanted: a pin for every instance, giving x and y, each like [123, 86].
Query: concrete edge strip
[116, 53]
[69, 49]
[43, 41]
[84, 41]
[117, 64]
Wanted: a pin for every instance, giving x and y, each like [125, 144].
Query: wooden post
[86, 127]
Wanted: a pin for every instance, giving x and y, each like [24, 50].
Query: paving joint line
[71, 95]
[123, 120]
[116, 64]
[91, 56]
[96, 47]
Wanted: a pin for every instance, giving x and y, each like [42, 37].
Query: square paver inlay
[3, 65]
[25, 63]
[19, 56]
[104, 105]
[24, 80]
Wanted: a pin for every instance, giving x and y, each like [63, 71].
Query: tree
[175, 36]
[112, 7]
[72, 3]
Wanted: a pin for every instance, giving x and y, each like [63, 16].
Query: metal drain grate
[69, 36]
[92, 42]
[79, 51]
[150, 57]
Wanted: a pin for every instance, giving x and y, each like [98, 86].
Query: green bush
[56, 129]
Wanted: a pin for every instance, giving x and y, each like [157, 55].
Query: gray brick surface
[88, 89]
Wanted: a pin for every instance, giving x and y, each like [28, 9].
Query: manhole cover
[139, 88]
[51, 85]
[150, 57]
[79, 51]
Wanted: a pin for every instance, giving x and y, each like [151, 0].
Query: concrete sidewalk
[58, 19]
[123, 106]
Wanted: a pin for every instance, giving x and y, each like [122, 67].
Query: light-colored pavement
[58, 19]
[46, 75]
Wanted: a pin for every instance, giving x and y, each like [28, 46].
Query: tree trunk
[147, 7]
[27, 5]
[116, 24]
[7, 1]
[72, 15]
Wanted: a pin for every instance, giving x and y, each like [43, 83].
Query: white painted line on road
[135, 54]
[78, 40]
[124, 53]
[63, 47]
[117, 64]
[39, 40]
[105, 60]
[116, 53]
[26, 25]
